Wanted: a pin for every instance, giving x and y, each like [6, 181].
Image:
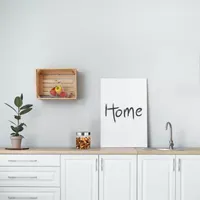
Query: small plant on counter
[18, 127]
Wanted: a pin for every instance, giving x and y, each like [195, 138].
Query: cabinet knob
[96, 164]
[101, 164]
[22, 160]
[174, 164]
[22, 198]
[179, 164]
[22, 177]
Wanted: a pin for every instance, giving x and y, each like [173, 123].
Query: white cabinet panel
[188, 177]
[156, 177]
[79, 177]
[117, 176]
[30, 160]
[30, 176]
[16, 193]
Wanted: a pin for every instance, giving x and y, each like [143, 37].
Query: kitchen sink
[162, 149]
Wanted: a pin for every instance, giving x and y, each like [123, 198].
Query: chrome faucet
[171, 143]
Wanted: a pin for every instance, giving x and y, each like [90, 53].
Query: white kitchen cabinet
[30, 176]
[27, 193]
[156, 177]
[188, 177]
[79, 177]
[117, 177]
[103, 177]
[29, 160]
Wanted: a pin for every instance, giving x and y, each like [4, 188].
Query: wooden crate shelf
[46, 79]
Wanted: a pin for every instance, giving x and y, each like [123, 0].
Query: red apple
[53, 92]
[63, 94]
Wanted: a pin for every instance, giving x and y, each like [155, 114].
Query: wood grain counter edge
[102, 151]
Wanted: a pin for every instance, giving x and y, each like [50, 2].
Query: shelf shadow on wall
[80, 85]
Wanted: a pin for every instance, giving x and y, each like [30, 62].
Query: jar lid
[83, 133]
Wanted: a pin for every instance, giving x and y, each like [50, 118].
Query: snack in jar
[83, 140]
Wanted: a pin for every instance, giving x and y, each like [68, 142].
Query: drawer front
[29, 193]
[30, 176]
[30, 160]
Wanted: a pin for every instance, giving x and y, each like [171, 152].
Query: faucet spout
[171, 143]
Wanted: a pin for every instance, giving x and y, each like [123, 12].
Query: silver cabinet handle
[174, 164]
[101, 164]
[22, 198]
[22, 160]
[179, 164]
[21, 177]
[96, 164]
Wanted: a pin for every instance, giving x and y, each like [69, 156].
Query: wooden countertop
[176, 151]
[105, 151]
[73, 151]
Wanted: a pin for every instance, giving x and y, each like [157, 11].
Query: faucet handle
[171, 144]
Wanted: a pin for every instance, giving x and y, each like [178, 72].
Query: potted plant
[18, 127]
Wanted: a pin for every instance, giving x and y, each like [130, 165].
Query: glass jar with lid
[83, 140]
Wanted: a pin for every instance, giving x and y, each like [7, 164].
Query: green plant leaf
[14, 134]
[17, 129]
[18, 102]
[12, 122]
[14, 129]
[23, 124]
[22, 97]
[20, 128]
[25, 111]
[17, 117]
[10, 107]
[26, 106]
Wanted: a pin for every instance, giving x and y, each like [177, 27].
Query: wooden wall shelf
[46, 79]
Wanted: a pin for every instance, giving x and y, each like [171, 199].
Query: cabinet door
[117, 176]
[29, 160]
[188, 177]
[156, 177]
[79, 177]
[30, 176]
[28, 193]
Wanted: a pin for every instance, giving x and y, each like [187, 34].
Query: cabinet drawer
[29, 193]
[30, 176]
[30, 160]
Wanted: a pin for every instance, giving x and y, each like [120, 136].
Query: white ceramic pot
[16, 141]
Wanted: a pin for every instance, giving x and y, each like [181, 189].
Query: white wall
[154, 39]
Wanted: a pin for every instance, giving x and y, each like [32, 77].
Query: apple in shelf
[58, 91]
[63, 94]
[53, 92]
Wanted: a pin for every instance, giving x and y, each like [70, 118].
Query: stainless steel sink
[162, 149]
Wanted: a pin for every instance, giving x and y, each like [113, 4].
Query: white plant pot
[16, 141]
